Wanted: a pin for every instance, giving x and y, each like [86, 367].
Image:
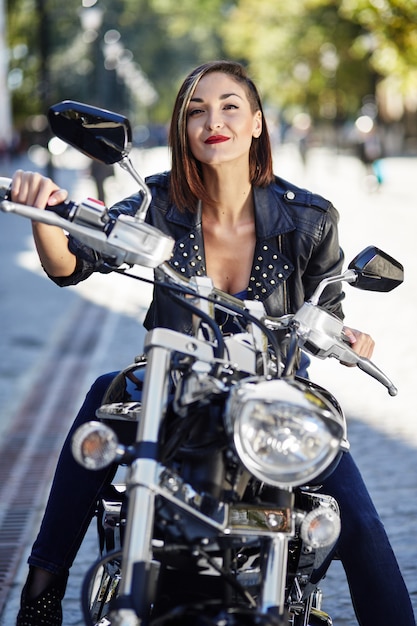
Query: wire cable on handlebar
[219, 348]
[271, 337]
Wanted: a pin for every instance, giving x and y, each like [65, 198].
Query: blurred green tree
[319, 56]
[327, 56]
[57, 55]
[388, 45]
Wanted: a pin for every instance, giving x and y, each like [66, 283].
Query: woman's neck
[232, 196]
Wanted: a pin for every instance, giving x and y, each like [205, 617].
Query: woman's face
[220, 122]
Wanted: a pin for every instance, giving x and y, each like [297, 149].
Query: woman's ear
[257, 130]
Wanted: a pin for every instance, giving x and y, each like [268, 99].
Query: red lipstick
[216, 139]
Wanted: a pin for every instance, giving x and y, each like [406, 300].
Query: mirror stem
[126, 164]
[350, 276]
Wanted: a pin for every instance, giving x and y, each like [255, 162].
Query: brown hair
[187, 186]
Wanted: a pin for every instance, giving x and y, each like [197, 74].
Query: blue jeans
[378, 591]
[377, 588]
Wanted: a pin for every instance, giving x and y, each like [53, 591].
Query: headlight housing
[95, 446]
[285, 433]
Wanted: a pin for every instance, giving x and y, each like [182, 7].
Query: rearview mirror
[101, 135]
[376, 270]
[97, 133]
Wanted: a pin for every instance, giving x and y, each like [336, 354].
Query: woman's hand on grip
[360, 342]
[33, 189]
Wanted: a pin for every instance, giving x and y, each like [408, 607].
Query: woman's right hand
[33, 189]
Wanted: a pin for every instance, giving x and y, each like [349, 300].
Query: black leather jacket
[296, 246]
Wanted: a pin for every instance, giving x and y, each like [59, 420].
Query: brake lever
[321, 334]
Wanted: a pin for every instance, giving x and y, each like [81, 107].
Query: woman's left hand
[361, 343]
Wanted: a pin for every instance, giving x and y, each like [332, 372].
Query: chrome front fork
[275, 578]
[139, 570]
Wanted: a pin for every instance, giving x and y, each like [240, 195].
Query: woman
[257, 237]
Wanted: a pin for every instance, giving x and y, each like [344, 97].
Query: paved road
[37, 317]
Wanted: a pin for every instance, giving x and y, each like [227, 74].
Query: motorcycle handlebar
[132, 241]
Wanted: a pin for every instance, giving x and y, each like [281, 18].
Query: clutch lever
[124, 240]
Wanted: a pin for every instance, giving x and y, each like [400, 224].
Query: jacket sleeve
[326, 260]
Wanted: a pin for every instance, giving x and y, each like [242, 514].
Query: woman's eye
[226, 107]
[194, 112]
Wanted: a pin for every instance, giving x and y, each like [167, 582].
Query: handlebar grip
[5, 187]
[63, 209]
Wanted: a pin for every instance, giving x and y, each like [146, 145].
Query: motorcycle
[218, 519]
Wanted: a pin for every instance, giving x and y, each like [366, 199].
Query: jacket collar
[271, 214]
[270, 267]
[272, 217]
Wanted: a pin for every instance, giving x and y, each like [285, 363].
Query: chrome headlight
[285, 433]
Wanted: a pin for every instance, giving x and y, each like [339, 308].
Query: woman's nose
[214, 122]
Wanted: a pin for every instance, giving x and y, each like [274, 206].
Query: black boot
[46, 608]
